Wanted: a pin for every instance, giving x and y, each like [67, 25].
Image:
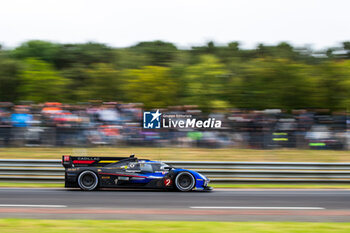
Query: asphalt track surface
[218, 205]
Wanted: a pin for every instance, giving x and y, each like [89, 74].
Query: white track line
[257, 208]
[37, 206]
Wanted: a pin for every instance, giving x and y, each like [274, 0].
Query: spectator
[20, 121]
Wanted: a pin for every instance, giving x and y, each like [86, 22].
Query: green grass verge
[87, 226]
[198, 154]
[214, 185]
[30, 185]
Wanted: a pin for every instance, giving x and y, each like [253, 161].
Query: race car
[91, 173]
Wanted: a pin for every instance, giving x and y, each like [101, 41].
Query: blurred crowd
[120, 124]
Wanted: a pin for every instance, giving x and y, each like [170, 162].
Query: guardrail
[33, 170]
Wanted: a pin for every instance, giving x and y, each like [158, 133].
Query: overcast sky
[319, 23]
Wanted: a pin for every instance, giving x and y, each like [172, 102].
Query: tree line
[159, 74]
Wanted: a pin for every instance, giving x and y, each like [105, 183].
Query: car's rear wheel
[185, 181]
[88, 180]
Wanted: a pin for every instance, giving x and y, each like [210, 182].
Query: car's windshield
[146, 167]
[160, 167]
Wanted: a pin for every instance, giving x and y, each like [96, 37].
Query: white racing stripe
[257, 207]
[37, 206]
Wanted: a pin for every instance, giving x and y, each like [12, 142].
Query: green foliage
[159, 52]
[333, 84]
[129, 59]
[206, 82]
[38, 49]
[272, 83]
[77, 76]
[159, 74]
[103, 83]
[151, 85]
[9, 71]
[40, 82]
[69, 55]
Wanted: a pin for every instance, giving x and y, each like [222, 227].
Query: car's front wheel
[88, 180]
[185, 181]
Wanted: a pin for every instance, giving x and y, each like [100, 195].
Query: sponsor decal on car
[168, 182]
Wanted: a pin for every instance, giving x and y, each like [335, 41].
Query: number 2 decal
[167, 182]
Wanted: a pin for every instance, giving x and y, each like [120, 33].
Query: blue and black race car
[90, 173]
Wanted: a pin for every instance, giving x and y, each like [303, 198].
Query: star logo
[151, 120]
[156, 115]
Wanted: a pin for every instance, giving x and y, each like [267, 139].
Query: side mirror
[168, 168]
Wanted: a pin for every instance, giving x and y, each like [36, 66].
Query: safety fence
[34, 170]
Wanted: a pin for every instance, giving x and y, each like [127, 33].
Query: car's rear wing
[83, 161]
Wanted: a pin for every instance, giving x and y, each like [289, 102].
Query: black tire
[185, 181]
[88, 180]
